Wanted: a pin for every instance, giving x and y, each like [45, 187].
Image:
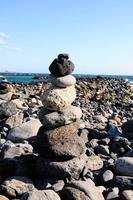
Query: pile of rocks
[58, 137]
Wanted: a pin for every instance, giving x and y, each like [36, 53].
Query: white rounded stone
[57, 99]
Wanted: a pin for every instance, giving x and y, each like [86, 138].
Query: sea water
[28, 77]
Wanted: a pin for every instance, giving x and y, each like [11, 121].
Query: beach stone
[73, 193]
[56, 135]
[6, 97]
[112, 195]
[15, 120]
[58, 186]
[17, 185]
[88, 188]
[107, 176]
[19, 103]
[102, 149]
[58, 98]
[127, 194]
[94, 163]
[124, 166]
[53, 168]
[7, 109]
[3, 197]
[127, 128]
[63, 55]
[18, 150]
[41, 195]
[62, 82]
[74, 147]
[61, 66]
[27, 131]
[55, 119]
[123, 182]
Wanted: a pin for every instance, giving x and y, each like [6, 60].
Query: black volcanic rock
[63, 55]
[61, 66]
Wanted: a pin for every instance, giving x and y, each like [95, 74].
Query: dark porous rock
[16, 186]
[74, 147]
[56, 135]
[51, 119]
[119, 147]
[53, 168]
[102, 149]
[127, 194]
[129, 154]
[123, 182]
[63, 55]
[7, 109]
[97, 134]
[7, 167]
[40, 195]
[73, 194]
[127, 128]
[124, 166]
[61, 66]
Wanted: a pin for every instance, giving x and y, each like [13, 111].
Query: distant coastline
[29, 77]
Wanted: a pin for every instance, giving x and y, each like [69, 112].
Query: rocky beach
[67, 139]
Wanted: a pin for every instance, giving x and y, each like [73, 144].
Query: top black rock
[61, 66]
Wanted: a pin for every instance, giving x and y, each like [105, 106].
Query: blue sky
[97, 34]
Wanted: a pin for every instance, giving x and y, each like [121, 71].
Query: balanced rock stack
[58, 137]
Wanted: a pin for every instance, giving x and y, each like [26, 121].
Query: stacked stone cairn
[58, 143]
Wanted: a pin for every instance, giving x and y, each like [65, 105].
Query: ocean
[29, 77]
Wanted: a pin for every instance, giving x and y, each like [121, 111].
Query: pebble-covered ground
[103, 171]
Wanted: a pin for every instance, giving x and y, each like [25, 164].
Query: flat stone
[27, 131]
[57, 99]
[41, 195]
[62, 82]
[53, 168]
[54, 119]
[124, 166]
[61, 66]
